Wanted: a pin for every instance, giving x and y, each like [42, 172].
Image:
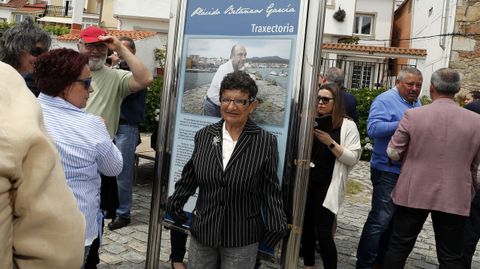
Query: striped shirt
[85, 149]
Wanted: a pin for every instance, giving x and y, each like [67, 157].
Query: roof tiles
[135, 35]
[14, 4]
[375, 49]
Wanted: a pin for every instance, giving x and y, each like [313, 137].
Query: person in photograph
[21, 45]
[385, 113]
[41, 225]
[234, 166]
[132, 113]
[337, 76]
[81, 138]
[111, 87]
[238, 56]
[334, 153]
[439, 146]
[471, 96]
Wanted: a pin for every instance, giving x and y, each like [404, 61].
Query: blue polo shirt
[385, 113]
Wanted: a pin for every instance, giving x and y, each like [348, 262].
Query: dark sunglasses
[37, 51]
[86, 82]
[324, 99]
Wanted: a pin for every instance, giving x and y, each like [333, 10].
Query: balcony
[58, 11]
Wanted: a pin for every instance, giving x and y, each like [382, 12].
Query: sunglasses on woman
[324, 99]
[86, 82]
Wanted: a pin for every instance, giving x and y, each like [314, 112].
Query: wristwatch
[331, 146]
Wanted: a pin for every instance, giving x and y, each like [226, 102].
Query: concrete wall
[108, 21]
[334, 27]
[383, 12]
[430, 19]
[6, 14]
[465, 53]
[150, 15]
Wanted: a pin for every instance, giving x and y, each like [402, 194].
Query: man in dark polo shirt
[132, 113]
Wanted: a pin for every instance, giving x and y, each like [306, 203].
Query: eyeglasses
[238, 102]
[96, 45]
[37, 51]
[324, 99]
[86, 82]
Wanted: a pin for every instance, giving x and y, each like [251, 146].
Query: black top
[323, 160]
[132, 111]
[474, 106]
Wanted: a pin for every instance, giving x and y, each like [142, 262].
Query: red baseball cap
[91, 34]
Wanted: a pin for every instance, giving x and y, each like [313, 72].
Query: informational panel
[214, 31]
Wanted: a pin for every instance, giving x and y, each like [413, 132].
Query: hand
[324, 137]
[112, 42]
[115, 58]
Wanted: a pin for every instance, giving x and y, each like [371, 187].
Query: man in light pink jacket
[440, 148]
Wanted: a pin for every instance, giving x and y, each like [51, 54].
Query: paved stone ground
[126, 247]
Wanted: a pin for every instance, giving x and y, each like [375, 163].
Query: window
[20, 17]
[363, 25]
[361, 75]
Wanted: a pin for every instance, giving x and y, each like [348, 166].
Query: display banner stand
[283, 55]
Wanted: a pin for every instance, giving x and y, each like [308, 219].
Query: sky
[212, 48]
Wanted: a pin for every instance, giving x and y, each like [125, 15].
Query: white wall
[425, 24]
[383, 12]
[332, 26]
[6, 14]
[143, 14]
[143, 24]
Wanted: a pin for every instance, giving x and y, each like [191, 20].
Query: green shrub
[365, 98]
[56, 29]
[152, 110]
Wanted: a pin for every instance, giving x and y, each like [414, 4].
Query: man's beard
[96, 63]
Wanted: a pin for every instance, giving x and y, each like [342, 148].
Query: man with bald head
[238, 56]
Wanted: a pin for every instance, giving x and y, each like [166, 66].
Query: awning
[63, 20]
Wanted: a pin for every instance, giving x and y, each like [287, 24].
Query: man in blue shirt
[386, 112]
[132, 113]
[335, 75]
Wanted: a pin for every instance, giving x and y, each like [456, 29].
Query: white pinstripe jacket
[240, 205]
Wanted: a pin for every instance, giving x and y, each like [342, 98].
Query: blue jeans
[377, 230]
[211, 109]
[203, 257]
[126, 141]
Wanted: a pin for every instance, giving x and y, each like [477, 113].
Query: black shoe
[118, 223]
[109, 214]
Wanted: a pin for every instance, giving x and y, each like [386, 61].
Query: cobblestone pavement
[126, 247]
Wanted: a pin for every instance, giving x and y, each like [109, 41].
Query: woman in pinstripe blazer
[234, 165]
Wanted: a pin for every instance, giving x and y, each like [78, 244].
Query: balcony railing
[58, 11]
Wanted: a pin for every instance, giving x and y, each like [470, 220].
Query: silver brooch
[215, 140]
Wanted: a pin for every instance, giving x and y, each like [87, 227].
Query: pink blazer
[440, 147]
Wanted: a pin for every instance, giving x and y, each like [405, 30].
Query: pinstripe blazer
[231, 202]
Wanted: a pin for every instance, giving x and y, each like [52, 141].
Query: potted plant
[160, 60]
[340, 14]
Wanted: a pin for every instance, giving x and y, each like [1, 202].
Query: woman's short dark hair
[338, 112]
[475, 94]
[239, 80]
[57, 69]
[21, 38]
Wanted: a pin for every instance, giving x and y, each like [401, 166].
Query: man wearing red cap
[110, 86]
